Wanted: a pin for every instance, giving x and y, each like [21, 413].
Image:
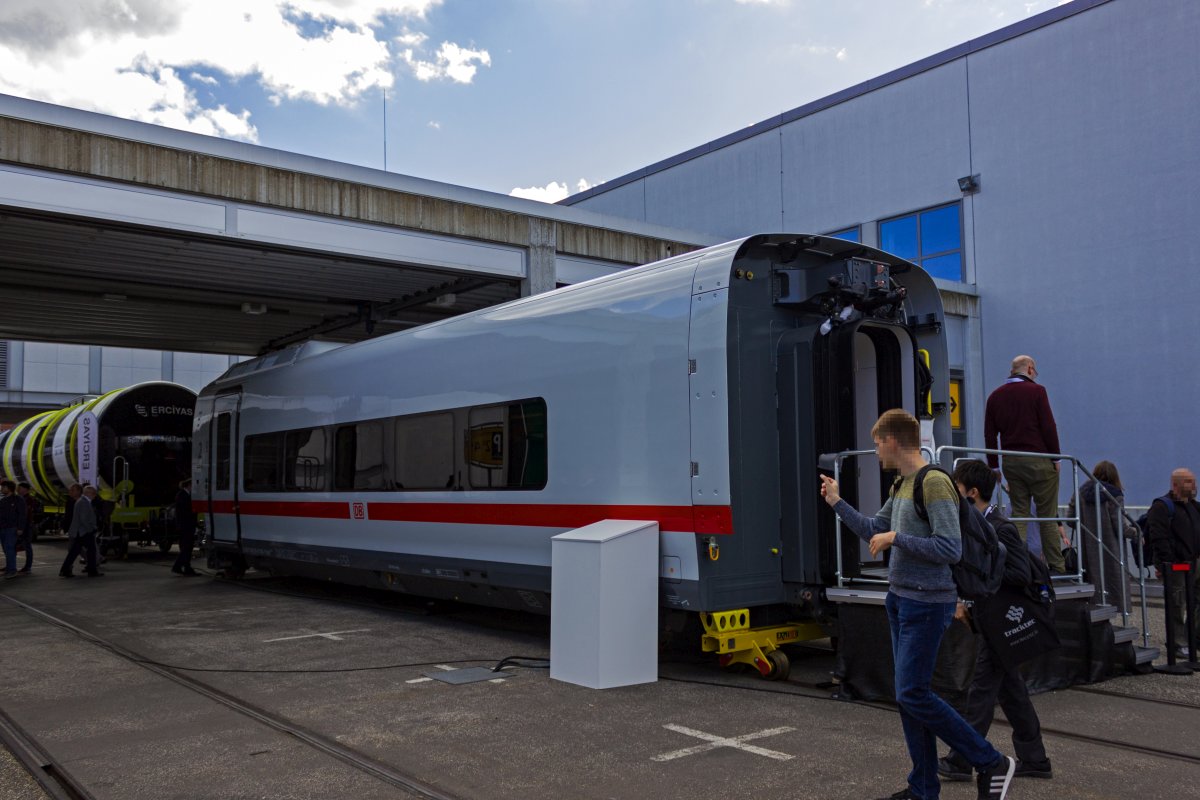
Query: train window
[261, 462]
[304, 460]
[223, 460]
[358, 456]
[506, 446]
[424, 452]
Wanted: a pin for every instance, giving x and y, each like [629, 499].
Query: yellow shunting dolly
[729, 635]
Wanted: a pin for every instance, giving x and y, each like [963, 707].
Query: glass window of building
[849, 234]
[931, 238]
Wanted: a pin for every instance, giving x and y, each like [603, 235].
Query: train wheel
[781, 667]
[164, 545]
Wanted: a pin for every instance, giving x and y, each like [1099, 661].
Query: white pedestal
[604, 604]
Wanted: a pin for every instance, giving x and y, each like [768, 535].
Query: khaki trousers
[1036, 479]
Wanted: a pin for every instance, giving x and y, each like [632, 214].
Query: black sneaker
[904, 794]
[951, 771]
[993, 783]
[1034, 769]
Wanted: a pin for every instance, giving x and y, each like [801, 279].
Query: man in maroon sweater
[1018, 414]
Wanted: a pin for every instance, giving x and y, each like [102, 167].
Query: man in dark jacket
[185, 523]
[1018, 417]
[1175, 539]
[82, 534]
[992, 678]
[12, 520]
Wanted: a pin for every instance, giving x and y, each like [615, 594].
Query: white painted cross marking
[335, 636]
[736, 742]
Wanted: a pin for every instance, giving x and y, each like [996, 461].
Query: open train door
[862, 318]
[224, 520]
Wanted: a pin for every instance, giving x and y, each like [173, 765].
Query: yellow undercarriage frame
[729, 635]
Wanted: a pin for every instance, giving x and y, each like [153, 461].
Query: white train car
[698, 391]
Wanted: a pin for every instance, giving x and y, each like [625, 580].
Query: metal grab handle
[834, 461]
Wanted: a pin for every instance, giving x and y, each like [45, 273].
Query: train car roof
[778, 247]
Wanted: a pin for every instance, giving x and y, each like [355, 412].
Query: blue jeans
[8, 538]
[917, 630]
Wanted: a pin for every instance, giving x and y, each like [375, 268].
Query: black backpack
[980, 570]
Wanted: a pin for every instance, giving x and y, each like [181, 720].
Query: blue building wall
[1084, 127]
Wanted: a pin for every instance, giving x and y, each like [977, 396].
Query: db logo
[358, 510]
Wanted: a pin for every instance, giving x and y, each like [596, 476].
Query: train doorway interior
[832, 388]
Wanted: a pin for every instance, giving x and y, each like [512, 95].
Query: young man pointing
[920, 605]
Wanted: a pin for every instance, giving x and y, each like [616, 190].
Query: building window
[931, 238]
[849, 234]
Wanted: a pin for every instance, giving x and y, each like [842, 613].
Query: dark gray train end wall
[1085, 131]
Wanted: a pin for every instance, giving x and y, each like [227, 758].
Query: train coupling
[729, 635]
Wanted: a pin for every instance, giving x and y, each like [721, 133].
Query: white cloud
[433, 123]
[763, 2]
[451, 61]
[839, 53]
[552, 192]
[126, 57]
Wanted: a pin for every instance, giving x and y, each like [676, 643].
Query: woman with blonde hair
[1112, 503]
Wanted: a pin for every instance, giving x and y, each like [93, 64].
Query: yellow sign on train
[956, 421]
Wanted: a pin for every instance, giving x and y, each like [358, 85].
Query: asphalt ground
[277, 688]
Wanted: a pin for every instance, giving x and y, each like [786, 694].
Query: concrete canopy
[120, 233]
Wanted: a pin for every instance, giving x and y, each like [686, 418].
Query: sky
[536, 98]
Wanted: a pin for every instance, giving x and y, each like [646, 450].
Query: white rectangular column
[604, 604]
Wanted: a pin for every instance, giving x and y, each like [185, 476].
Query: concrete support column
[168, 365]
[543, 246]
[976, 385]
[16, 365]
[95, 369]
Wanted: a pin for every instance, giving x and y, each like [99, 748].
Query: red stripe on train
[701, 519]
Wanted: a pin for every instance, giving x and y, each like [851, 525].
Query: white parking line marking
[335, 636]
[445, 667]
[736, 742]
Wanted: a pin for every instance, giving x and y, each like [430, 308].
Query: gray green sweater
[923, 551]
